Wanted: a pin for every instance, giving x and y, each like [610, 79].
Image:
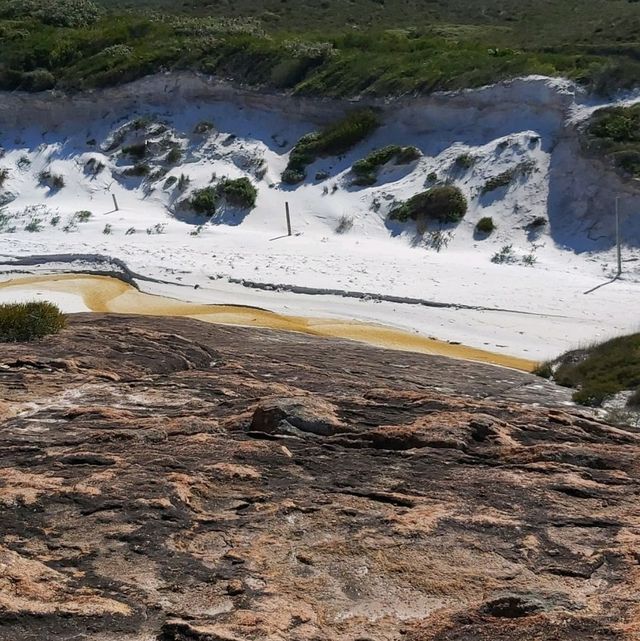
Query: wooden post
[288, 219]
[618, 248]
[115, 202]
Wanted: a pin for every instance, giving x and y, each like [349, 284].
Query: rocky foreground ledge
[167, 480]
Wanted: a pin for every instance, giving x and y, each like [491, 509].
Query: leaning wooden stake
[115, 202]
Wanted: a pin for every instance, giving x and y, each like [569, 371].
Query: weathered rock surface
[167, 480]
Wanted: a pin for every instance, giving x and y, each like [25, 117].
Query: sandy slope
[529, 311]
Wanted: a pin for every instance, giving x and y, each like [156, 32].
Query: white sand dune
[532, 311]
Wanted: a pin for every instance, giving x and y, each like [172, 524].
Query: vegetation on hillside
[237, 192]
[366, 170]
[335, 139]
[615, 133]
[443, 203]
[332, 48]
[21, 322]
[600, 371]
[485, 225]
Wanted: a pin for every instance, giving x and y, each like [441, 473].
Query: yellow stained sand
[106, 294]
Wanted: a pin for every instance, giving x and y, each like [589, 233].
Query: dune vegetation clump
[238, 192]
[443, 203]
[615, 133]
[366, 170]
[332, 141]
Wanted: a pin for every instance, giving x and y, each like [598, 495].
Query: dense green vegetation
[335, 139]
[443, 203]
[600, 371]
[331, 48]
[20, 322]
[485, 225]
[366, 169]
[204, 201]
[615, 133]
[237, 192]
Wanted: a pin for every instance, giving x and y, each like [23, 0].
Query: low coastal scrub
[485, 225]
[21, 322]
[444, 204]
[204, 201]
[138, 150]
[60, 13]
[507, 177]
[53, 181]
[236, 192]
[333, 49]
[615, 133]
[332, 141]
[465, 161]
[366, 170]
[139, 170]
[600, 371]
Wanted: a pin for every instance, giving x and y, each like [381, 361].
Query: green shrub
[174, 156]
[139, 170]
[366, 169]
[203, 201]
[615, 133]
[485, 225]
[239, 192]
[332, 141]
[183, 182]
[506, 255]
[501, 180]
[544, 370]
[138, 150]
[538, 222]
[20, 322]
[292, 176]
[37, 80]
[465, 161]
[57, 181]
[628, 160]
[507, 177]
[83, 215]
[53, 181]
[616, 124]
[445, 204]
[203, 127]
[602, 370]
